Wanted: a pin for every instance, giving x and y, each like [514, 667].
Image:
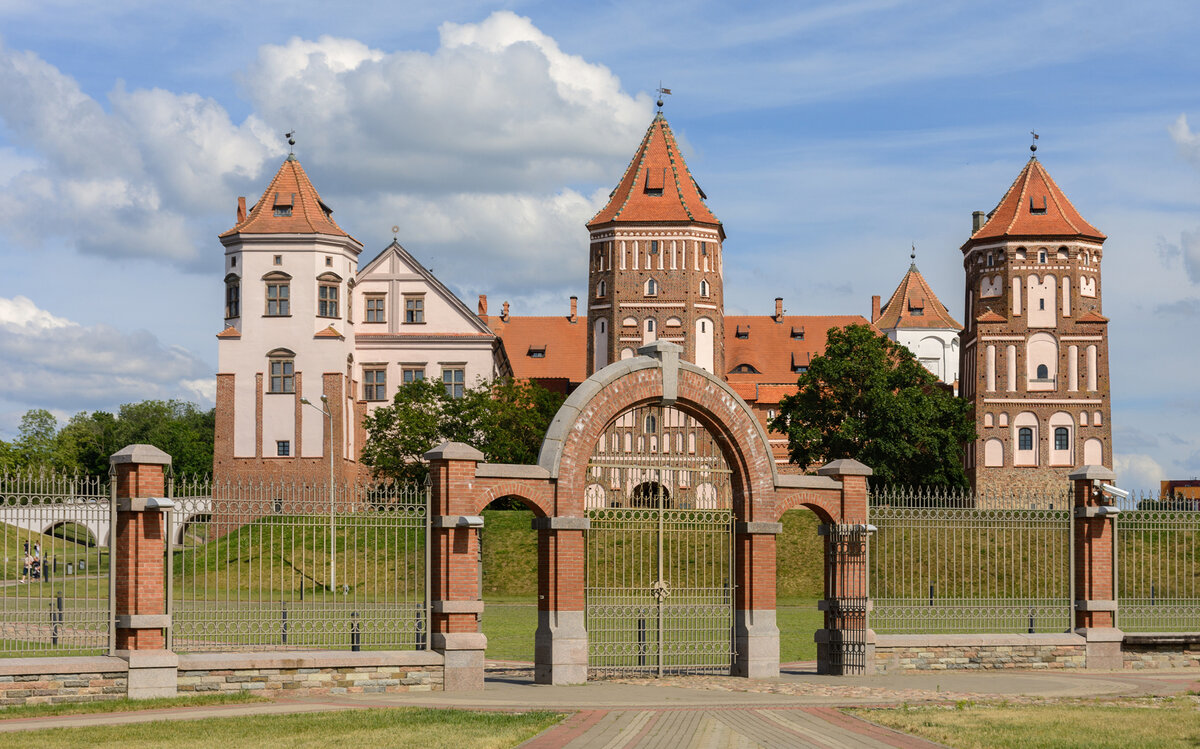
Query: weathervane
[913, 256]
[291, 142]
[395, 231]
[661, 93]
[1033, 145]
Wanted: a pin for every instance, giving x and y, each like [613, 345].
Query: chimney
[574, 309]
[874, 308]
[778, 309]
[483, 305]
[978, 219]
[504, 312]
[241, 209]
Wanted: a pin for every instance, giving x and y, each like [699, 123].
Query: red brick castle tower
[1035, 347]
[655, 262]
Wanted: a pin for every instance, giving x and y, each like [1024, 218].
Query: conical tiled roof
[289, 205]
[914, 305]
[657, 185]
[1035, 207]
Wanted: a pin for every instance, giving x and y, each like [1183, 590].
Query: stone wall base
[899, 653]
[311, 673]
[42, 681]
[1161, 650]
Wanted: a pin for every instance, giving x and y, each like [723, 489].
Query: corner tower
[655, 262]
[289, 336]
[1035, 347]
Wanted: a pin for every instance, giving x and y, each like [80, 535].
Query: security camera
[1113, 492]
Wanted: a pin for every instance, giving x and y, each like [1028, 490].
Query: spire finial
[291, 139]
[1033, 145]
[913, 257]
[395, 232]
[661, 93]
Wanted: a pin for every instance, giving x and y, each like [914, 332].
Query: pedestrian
[27, 569]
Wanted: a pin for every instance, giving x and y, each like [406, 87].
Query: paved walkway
[796, 710]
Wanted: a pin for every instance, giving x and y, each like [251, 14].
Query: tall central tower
[655, 262]
[1035, 348]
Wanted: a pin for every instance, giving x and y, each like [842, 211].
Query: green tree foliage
[85, 443]
[506, 420]
[869, 399]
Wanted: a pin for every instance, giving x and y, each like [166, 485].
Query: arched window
[1062, 438]
[1042, 257]
[1043, 372]
[1025, 438]
[601, 289]
[233, 296]
[991, 260]
[651, 424]
[650, 326]
[704, 288]
[651, 287]
[281, 371]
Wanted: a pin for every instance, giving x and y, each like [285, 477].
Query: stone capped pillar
[1095, 576]
[847, 597]
[756, 633]
[456, 605]
[561, 641]
[138, 548]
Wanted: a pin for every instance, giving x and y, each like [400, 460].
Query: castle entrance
[659, 595]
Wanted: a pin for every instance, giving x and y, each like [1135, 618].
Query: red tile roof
[1092, 316]
[230, 332]
[657, 185]
[1034, 206]
[329, 332]
[774, 350]
[563, 345]
[914, 305]
[990, 316]
[292, 189]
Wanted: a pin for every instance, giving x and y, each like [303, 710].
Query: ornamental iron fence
[296, 566]
[1157, 564]
[57, 589]
[950, 561]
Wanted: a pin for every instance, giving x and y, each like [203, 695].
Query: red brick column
[756, 631]
[561, 642]
[847, 598]
[139, 569]
[455, 568]
[1095, 575]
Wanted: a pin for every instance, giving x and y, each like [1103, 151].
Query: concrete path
[796, 710]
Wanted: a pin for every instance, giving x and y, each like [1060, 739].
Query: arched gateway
[658, 503]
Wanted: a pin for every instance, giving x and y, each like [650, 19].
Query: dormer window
[798, 334]
[916, 307]
[1035, 209]
[742, 332]
[283, 203]
[744, 369]
[656, 179]
[537, 352]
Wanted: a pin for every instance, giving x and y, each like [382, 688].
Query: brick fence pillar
[1095, 578]
[139, 569]
[847, 634]
[756, 633]
[455, 569]
[561, 641]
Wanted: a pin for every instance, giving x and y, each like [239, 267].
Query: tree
[869, 399]
[506, 420]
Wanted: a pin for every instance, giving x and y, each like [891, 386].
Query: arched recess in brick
[644, 379]
[536, 495]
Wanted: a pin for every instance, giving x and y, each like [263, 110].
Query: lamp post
[332, 540]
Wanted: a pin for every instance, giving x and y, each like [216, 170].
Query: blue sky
[829, 137]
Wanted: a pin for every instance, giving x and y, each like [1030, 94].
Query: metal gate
[660, 563]
[846, 596]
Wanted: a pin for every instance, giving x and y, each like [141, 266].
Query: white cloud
[1138, 472]
[52, 362]
[1186, 141]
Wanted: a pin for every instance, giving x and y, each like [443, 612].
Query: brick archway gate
[557, 490]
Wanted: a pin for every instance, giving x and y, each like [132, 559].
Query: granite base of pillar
[462, 654]
[152, 673]
[756, 637]
[560, 648]
[1103, 647]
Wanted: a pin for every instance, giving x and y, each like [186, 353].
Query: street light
[332, 542]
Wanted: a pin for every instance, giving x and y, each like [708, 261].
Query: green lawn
[126, 705]
[407, 727]
[1082, 725]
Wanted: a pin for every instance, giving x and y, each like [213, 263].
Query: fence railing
[947, 562]
[1158, 564]
[293, 566]
[56, 588]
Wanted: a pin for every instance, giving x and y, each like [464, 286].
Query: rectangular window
[654, 247]
[412, 374]
[374, 384]
[1062, 439]
[283, 378]
[233, 300]
[279, 259]
[452, 378]
[328, 261]
[327, 301]
[1024, 438]
[278, 300]
[375, 309]
[414, 309]
[283, 448]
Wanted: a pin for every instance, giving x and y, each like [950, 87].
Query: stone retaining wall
[311, 673]
[898, 653]
[40, 681]
[1161, 650]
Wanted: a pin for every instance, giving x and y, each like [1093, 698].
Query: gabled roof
[290, 189]
[914, 305]
[990, 316]
[1034, 206]
[407, 259]
[562, 344]
[657, 185]
[1092, 316]
[775, 348]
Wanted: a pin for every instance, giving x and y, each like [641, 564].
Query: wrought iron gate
[660, 563]
[846, 596]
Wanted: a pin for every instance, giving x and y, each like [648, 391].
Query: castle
[312, 342]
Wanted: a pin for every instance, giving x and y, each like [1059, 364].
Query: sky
[830, 137]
